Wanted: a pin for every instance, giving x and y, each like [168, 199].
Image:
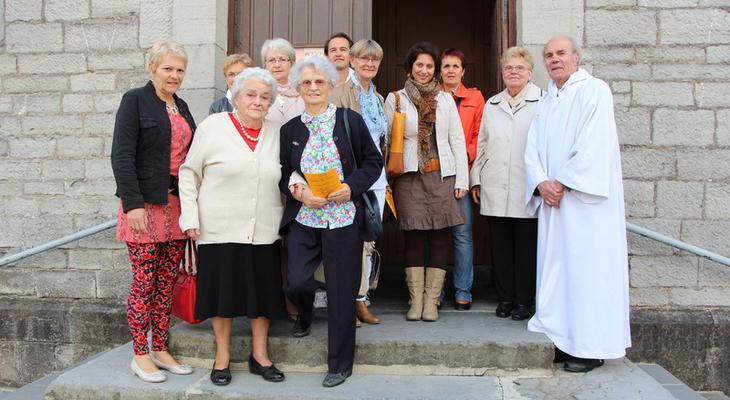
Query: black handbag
[373, 222]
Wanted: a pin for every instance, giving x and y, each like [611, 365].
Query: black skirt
[237, 279]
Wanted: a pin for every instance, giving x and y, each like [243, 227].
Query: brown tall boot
[434, 283]
[415, 277]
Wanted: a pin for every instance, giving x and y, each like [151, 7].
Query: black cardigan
[141, 147]
[294, 137]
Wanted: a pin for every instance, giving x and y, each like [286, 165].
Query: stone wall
[668, 64]
[64, 65]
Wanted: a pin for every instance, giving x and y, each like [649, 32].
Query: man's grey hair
[254, 73]
[576, 46]
[280, 45]
[319, 64]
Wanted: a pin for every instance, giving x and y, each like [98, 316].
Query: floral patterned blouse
[321, 155]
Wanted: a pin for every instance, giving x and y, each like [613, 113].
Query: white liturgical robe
[582, 298]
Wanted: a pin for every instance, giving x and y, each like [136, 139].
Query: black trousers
[514, 257]
[340, 250]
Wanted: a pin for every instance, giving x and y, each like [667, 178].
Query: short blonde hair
[518, 52]
[366, 48]
[162, 48]
[242, 58]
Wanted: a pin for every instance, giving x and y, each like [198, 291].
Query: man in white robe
[573, 172]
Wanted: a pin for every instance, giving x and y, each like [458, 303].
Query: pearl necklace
[243, 129]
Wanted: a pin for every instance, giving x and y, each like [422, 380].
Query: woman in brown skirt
[435, 177]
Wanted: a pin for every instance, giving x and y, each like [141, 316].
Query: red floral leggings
[154, 269]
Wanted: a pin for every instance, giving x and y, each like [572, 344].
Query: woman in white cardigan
[498, 185]
[436, 176]
[231, 206]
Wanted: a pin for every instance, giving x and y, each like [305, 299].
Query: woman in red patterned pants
[152, 134]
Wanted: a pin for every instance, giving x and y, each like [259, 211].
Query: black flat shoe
[270, 373]
[561, 356]
[299, 329]
[581, 364]
[333, 379]
[504, 309]
[462, 306]
[521, 312]
[220, 377]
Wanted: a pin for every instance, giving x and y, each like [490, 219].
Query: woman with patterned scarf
[436, 176]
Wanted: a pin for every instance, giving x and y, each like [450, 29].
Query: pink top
[162, 220]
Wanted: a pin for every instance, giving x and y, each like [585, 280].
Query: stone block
[23, 10]
[669, 54]
[718, 54]
[694, 26]
[56, 124]
[541, 13]
[10, 188]
[641, 246]
[620, 27]
[708, 234]
[19, 169]
[691, 72]
[622, 100]
[33, 84]
[206, 27]
[63, 169]
[71, 205]
[102, 124]
[723, 128]
[105, 35]
[713, 274]
[51, 63]
[6, 105]
[103, 240]
[96, 169]
[92, 82]
[717, 198]
[107, 102]
[35, 359]
[78, 103]
[683, 128]
[20, 206]
[670, 94]
[8, 64]
[68, 355]
[22, 37]
[677, 199]
[199, 101]
[32, 148]
[36, 103]
[17, 281]
[200, 74]
[97, 259]
[621, 87]
[44, 228]
[653, 271]
[73, 284]
[67, 9]
[646, 163]
[131, 80]
[720, 3]
[155, 18]
[43, 188]
[99, 322]
[700, 297]
[8, 361]
[703, 164]
[667, 3]
[609, 3]
[114, 8]
[113, 284]
[116, 60]
[79, 147]
[639, 198]
[12, 237]
[105, 187]
[649, 296]
[713, 94]
[634, 125]
[622, 71]
[10, 126]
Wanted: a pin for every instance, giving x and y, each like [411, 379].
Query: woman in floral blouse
[325, 229]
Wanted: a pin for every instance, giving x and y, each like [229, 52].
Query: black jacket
[141, 147]
[294, 136]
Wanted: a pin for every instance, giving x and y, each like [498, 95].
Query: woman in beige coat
[498, 185]
[436, 175]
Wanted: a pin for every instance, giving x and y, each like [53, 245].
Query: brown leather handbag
[394, 166]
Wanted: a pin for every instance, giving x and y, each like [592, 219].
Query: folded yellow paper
[390, 202]
[322, 184]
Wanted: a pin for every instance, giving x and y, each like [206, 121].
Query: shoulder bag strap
[397, 101]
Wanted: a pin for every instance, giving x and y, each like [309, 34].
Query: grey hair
[253, 73]
[162, 48]
[319, 64]
[281, 45]
[576, 46]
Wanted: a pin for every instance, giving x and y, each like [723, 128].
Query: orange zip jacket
[470, 109]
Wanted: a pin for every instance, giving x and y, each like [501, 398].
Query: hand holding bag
[373, 222]
[184, 293]
[394, 166]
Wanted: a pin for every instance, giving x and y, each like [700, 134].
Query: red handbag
[184, 294]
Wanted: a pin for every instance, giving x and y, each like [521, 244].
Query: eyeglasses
[317, 82]
[516, 68]
[366, 60]
[280, 60]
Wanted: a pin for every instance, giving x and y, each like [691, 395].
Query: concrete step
[459, 343]
[108, 377]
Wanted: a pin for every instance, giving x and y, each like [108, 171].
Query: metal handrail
[112, 223]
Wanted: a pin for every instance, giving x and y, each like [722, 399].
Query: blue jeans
[464, 251]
